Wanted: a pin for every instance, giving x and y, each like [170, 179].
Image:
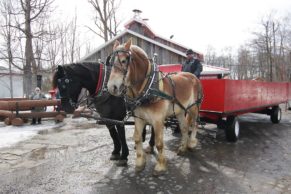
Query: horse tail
[200, 93]
[198, 86]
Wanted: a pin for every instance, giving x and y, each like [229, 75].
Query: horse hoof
[149, 150]
[191, 145]
[158, 173]
[139, 168]
[181, 152]
[121, 163]
[115, 157]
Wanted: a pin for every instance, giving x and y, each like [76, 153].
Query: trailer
[225, 99]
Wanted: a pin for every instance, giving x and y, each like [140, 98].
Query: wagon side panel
[214, 95]
[243, 95]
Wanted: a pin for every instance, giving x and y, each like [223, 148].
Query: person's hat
[189, 51]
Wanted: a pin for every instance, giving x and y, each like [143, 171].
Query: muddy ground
[74, 158]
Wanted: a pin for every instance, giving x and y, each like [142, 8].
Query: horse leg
[184, 131]
[124, 152]
[144, 132]
[115, 155]
[161, 165]
[140, 155]
[150, 148]
[192, 121]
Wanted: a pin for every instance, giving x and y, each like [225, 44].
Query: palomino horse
[154, 97]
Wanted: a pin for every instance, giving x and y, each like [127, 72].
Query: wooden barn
[168, 52]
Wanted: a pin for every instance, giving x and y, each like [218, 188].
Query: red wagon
[225, 99]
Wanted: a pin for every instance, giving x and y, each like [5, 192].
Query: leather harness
[152, 89]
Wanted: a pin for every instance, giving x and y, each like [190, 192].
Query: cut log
[27, 104]
[7, 121]
[40, 114]
[59, 118]
[17, 122]
[6, 113]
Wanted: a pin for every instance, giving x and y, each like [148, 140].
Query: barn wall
[164, 56]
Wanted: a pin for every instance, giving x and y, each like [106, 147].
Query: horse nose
[115, 89]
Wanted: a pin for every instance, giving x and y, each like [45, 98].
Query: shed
[5, 83]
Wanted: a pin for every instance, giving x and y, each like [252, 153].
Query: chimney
[137, 13]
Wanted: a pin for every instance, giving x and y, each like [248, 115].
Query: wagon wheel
[276, 114]
[232, 129]
[221, 124]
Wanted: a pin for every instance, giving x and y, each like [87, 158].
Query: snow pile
[10, 135]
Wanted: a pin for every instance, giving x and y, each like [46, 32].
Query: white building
[17, 83]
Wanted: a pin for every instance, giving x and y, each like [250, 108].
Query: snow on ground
[10, 135]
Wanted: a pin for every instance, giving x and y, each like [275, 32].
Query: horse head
[69, 88]
[129, 67]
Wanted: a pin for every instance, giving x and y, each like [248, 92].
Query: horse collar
[145, 97]
[103, 77]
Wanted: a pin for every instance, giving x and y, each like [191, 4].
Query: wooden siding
[164, 56]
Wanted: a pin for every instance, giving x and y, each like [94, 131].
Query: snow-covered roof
[207, 69]
[214, 70]
[153, 41]
[153, 33]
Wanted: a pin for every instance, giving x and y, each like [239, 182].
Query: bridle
[63, 84]
[119, 68]
[128, 60]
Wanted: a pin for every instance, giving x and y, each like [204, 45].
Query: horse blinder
[65, 97]
[121, 62]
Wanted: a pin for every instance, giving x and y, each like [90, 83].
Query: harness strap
[197, 102]
[149, 72]
[173, 98]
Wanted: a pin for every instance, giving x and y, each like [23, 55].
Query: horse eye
[123, 61]
[67, 81]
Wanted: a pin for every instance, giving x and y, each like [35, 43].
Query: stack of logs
[18, 111]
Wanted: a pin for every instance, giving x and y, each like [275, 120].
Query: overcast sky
[194, 24]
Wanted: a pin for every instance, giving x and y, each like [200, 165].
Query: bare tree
[105, 18]
[210, 55]
[72, 43]
[62, 44]
[8, 33]
[271, 46]
[27, 13]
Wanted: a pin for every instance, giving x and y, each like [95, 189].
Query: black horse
[70, 79]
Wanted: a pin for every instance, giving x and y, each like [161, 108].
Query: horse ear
[128, 44]
[60, 70]
[116, 44]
